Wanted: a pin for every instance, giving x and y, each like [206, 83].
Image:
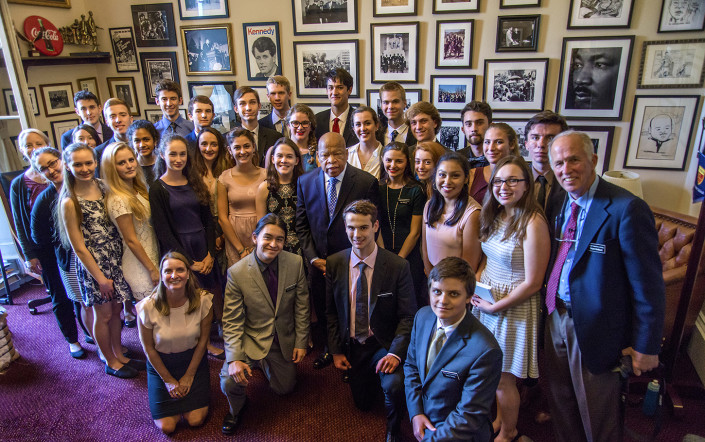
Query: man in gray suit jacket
[265, 318]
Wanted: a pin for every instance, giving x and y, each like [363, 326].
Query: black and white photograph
[682, 16]
[454, 39]
[197, 9]
[451, 92]
[519, 126]
[154, 25]
[11, 105]
[57, 98]
[207, 49]
[395, 49]
[265, 106]
[374, 101]
[672, 64]
[324, 16]
[89, 84]
[508, 4]
[453, 6]
[59, 127]
[388, 8]
[518, 33]
[315, 59]
[593, 77]
[661, 127]
[124, 89]
[450, 135]
[602, 138]
[263, 50]
[157, 66]
[515, 85]
[221, 94]
[124, 49]
[592, 14]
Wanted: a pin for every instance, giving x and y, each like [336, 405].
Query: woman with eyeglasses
[302, 127]
[500, 141]
[515, 239]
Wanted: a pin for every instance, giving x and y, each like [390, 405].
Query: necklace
[393, 221]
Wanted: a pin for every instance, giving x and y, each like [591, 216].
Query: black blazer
[392, 302]
[266, 138]
[319, 235]
[323, 127]
[67, 136]
[380, 135]
[554, 204]
[267, 122]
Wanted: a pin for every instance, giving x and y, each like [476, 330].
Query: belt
[563, 307]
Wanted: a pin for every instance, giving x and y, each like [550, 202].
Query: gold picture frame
[51, 3]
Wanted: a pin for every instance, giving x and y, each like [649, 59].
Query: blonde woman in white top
[366, 154]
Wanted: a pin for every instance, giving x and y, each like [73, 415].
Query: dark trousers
[364, 382]
[61, 305]
[319, 331]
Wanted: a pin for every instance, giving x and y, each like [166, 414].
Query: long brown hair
[193, 291]
[222, 162]
[272, 174]
[68, 191]
[524, 209]
[196, 182]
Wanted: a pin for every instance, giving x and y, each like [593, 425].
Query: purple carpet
[47, 395]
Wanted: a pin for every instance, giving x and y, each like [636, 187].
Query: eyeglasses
[511, 182]
[304, 124]
[51, 165]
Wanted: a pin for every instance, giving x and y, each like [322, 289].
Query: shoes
[137, 364]
[230, 424]
[346, 376]
[125, 372]
[130, 321]
[391, 437]
[76, 351]
[89, 340]
[322, 361]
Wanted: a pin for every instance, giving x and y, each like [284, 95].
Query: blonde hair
[117, 188]
[68, 191]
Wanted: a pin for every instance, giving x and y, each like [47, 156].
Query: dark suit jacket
[554, 204]
[458, 391]
[323, 127]
[66, 138]
[267, 122]
[380, 135]
[319, 235]
[266, 138]
[99, 153]
[616, 283]
[392, 302]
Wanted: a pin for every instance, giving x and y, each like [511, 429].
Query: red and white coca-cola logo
[44, 34]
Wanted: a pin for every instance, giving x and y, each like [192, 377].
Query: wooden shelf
[65, 60]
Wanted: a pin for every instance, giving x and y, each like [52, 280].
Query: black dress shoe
[137, 364]
[131, 323]
[124, 372]
[322, 361]
[89, 340]
[392, 437]
[230, 424]
[78, 354]
[346, 376]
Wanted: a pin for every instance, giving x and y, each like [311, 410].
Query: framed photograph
[154, 115]
[59, 127]
[374, 101]
[451, 92]
[508, 4]
[124, 89]
[586, 92]
[602, 138]
[518, 125]
[315, 59]
[317, 17]
[515, 85]
[265, 106]
[659, 136]
[221, 94]
[672, 64]
[57, 98]
[453, 6]
[11, 105]
[591, 14]
[52, 3]
[263, 50]
[124, 49]
[517, 33]
[197, 9]
[388, 8]
[682, 16]
[454, 43]
[207, 49]
[451, 135]
[395, 52]
[89, 84]
[154, 25]
[158, 66]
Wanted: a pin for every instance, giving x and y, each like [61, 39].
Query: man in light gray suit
[265, 318]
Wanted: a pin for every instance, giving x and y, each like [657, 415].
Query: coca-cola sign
[44, 34]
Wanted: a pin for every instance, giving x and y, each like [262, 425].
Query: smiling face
[248, 107]
[176, 156]
[278, 97]
[423, 164]
[338, 93]
[394, 163]
[285, 159]
[300, 128]
[82, 136]
[506, 194]
[50, 167]
[574, 169]
[119, 118]
[365, 127]
[449, 300]
[423, 128]
[143, 143]
[393, 106]
[174, 274]
[169, 102]
[89, 111]
[126, 164]
[32, 142]
[496, 145]
[269, 243]
[82, 165]
[450, 179]
[361, 233]
[208, 146]
[242, 150]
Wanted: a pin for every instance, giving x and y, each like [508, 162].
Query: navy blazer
[267, 122]
[67, 137]
[266, 138]
[458, 391]
[323, 127]
[392, 301]
[382, 132]
[319, 235]
[617, 292]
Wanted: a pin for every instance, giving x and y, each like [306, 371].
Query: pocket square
[385, 295]
[450, 374]
[291, 287]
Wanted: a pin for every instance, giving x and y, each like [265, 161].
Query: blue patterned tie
[332, 196]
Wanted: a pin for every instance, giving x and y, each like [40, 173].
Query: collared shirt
[550, 180]
[584, 202]
[449, 329]
[354, 275]
[337, 185]
[373, 164]
[99, 128]
[342, 117]
[401, 134]
[263, 266]
[275, 121]
[183, 126]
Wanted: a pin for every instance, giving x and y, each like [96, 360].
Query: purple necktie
[552, 286]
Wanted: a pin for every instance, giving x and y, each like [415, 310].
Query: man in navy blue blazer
[320, 226]
[87, 106]
[605, 295]
[453, 364]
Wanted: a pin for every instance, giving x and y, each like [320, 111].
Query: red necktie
[552, 286]
[336, 126]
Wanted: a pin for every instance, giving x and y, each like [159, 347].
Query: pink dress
[241, 210]
[443, 241]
